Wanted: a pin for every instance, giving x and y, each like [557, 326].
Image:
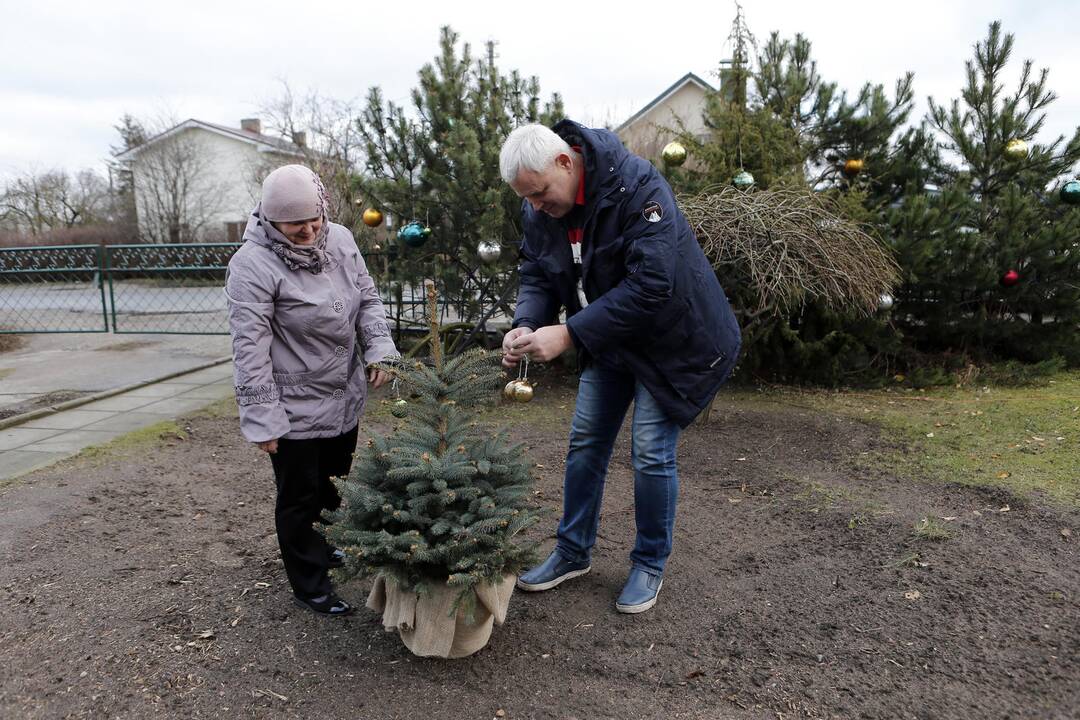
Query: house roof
[675, 87]
[265, 143]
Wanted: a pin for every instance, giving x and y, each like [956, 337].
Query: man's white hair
[530, 147]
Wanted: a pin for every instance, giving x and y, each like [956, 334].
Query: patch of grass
[820, 497]
[4, 372]
[223, 408]
[137, 440]
[930, 529]
[824, 497]
[856, 521]
[1024, 439]
[909, 560]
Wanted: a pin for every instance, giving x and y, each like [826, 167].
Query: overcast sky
[71, 69]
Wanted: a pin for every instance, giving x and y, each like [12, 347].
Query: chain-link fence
[52, 289]
[177, 289]
[174, 289]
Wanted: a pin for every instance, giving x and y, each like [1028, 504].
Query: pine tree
[993, 214]
[121, 180]
[775, 117]
[439, 500]
[437, 163]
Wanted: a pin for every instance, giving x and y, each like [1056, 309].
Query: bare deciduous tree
[37, 202]
[325, 129]
[178, 193]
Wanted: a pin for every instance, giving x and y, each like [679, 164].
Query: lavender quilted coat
[301, 340]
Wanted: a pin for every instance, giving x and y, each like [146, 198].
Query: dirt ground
[40, 401]
[148, 584]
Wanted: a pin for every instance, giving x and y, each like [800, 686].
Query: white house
[198, 181]
[680, 106]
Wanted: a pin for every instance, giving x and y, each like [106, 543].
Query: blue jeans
[603, 397]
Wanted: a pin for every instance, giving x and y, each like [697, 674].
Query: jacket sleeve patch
[652, 212]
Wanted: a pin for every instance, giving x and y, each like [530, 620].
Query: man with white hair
[605, 240]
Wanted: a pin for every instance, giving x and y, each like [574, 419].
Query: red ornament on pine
[1010, 278]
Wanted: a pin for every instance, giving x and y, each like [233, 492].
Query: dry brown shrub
[791, 245]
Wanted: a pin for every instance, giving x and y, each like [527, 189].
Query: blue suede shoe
[550, 573]
[640, 592]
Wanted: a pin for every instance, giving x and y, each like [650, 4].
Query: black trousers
[303, 469]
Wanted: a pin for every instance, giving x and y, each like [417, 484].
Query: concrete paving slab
[159, 390]
[17, 437]
[73, 441]
[42, 441]
[19, 462]
[126, 422]
[175, 407]
[69, 419]
[58, 361]
[118, 403]
[213, 391]
[207, 375]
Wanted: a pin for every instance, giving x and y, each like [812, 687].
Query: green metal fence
[168, 289]
[177, 289]
[52, 290]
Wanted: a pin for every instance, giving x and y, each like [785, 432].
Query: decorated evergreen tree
[439, 502]
[776, 119]
[991, 261]
[437, 163]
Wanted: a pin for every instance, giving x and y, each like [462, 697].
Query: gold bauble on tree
[1016, 149]
[673, 154]
[853, 166]
[372, 217]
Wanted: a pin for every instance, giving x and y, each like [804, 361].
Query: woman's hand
[270, 446]
[377, 378]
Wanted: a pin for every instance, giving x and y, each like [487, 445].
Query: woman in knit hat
[306, 322]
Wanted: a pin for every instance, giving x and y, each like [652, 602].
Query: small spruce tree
[438, 501]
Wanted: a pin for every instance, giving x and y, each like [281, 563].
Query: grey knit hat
[292, 193]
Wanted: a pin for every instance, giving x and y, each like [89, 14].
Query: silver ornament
[489, 251]
[885, 302]
[743, 180]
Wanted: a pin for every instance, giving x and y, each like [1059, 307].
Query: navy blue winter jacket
[655, 305]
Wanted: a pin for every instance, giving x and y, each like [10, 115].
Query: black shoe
[335, 558]
[329, 604]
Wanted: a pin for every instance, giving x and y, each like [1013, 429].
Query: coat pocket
[686, 354]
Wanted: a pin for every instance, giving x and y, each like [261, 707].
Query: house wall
[224, 176]
[647, 135]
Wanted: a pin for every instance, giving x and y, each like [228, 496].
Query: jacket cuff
[262, 421]
[381, 351]
[574, 337]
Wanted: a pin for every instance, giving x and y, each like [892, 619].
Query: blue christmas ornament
[1070, 192]
[414, 234]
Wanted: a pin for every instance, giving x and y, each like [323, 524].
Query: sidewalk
[52, 368]
[41, 441]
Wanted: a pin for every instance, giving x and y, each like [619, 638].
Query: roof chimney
[299, 137]
[252, 125]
